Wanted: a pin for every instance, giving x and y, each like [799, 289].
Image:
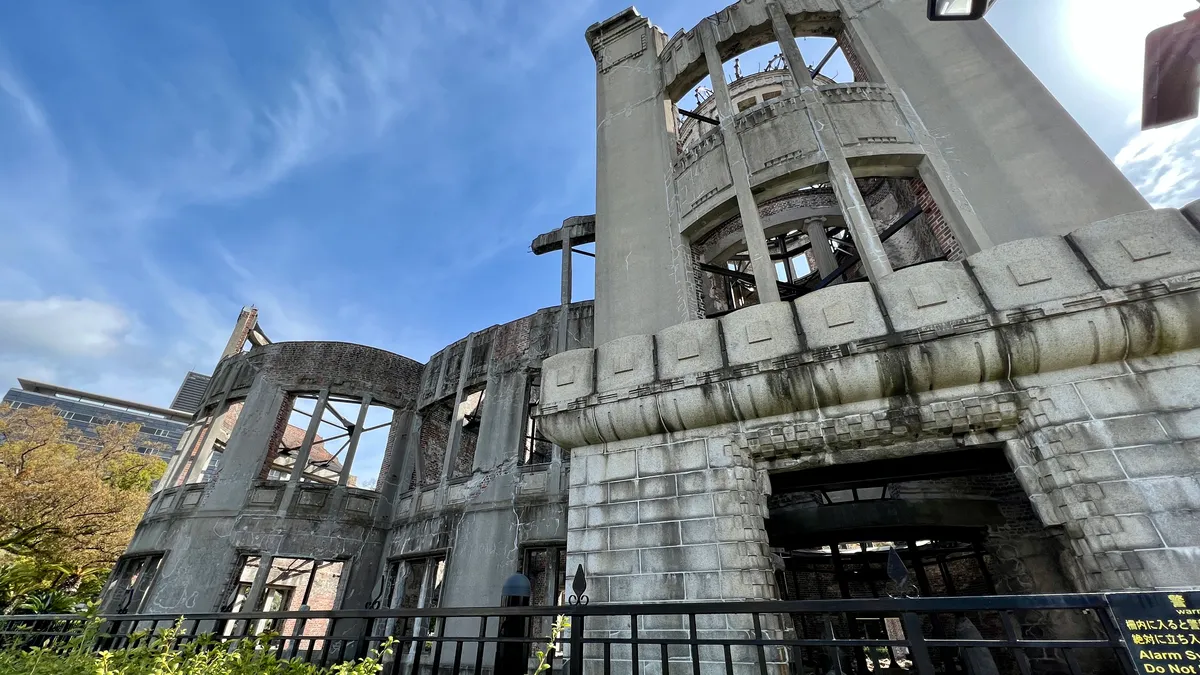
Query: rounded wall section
[340, 367]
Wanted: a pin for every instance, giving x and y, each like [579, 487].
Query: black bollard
[512, 658]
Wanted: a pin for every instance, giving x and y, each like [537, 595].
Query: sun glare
[1107, 37]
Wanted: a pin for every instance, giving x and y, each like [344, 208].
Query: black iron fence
[1024, 635]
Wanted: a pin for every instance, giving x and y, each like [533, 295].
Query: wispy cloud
[1164, 163]
[157, 197]
[61, 327]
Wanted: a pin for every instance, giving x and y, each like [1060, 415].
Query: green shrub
[162, 654]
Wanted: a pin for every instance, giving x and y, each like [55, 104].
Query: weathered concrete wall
[1026, 168]
[203, 527]
[656, 520]
[641, 285]
[1090, 339]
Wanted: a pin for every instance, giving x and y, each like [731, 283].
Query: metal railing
[1030, 634]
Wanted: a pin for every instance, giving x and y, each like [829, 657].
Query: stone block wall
[669, 521]
[1112, 456]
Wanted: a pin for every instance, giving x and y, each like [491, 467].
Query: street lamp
[958, 10]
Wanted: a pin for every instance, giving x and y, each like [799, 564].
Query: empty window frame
[416, 583]
[291, 584]
[535, 448]
[132, 579]
[470, 415]
[337, 440]
[546, 568]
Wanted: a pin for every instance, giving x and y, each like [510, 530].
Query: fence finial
[579, 585]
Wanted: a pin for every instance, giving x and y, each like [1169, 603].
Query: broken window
[435, 435]
[348, 443]
[536, 449]
[546, 568]
[131, 582]
[416, 583]
[470, 415]
[291, 585]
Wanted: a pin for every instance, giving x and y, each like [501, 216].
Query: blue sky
[364, 171]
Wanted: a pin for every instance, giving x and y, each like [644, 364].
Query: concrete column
[247, 448]
[821, 248]
[200, 463]
[454, 438]
[564, 314]
[756, 240]
[1022, 166]
[302, 454]
[643, 282]
[182, 452]
[355, 434]
[399, 458]
[255, 594]
[841, 179]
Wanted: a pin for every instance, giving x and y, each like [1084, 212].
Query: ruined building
[918, 310]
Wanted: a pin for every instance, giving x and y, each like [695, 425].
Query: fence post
[577, 600]
[916, 643]
[512, 658]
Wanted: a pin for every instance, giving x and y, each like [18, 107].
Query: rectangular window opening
[536, 449]
[131, 582]
[415, 583]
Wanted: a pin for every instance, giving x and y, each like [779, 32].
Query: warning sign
[1162, 630]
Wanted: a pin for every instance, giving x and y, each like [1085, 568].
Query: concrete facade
[989, 361]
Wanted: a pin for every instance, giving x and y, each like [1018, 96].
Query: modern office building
[161, 428]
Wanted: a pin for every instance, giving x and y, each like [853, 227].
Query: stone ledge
[785, 357]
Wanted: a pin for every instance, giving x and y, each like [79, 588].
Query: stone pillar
[822, 250]
[841, 179]
[642, 281]
[247, 448]
[654, 521]
[454, 436]
[756, 240]
[1113, 459]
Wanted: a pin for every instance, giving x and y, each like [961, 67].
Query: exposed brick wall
[464, 461]
[435, 432]
[512, 339]
[856, 65]
[936, 221]
[281, 425]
